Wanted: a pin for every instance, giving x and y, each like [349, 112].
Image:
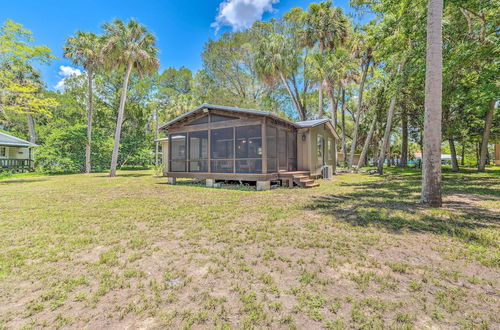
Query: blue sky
[181, 27]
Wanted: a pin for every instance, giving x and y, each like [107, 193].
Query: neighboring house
[215, 142]
[15, 154]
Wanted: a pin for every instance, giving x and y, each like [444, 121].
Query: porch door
[282, 150]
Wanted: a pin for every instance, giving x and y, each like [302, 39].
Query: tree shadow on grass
[123, 175]
[28, 180]
[393, 203]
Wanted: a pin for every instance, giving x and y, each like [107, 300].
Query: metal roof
[300, 124]
[12, 141]
[227, 108]
[312, 123]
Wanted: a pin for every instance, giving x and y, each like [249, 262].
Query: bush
[64, 150]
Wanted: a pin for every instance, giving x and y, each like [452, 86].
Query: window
[249, 166]
[282, 148]
[201, 120]
[272, 165]
[329, 152]
[320, 150]
[222, 146]
[178, 152]
[3, 152]
[216, 118]
[249, 141]
[198, 151]
[292, 151]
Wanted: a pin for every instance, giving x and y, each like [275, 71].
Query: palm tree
[274, 62]
[328, 28]
[85, 49]
[363, 51]
[431, 162]
[127, 46]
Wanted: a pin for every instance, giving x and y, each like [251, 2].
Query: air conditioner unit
[327, 172]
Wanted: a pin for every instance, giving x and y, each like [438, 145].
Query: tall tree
[365, 53]
[130, 46]
[431, 162]
[327, 27]
[85, 49]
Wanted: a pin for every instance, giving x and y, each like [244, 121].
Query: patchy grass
[357, 252]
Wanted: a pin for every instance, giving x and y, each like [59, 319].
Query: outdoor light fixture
[205, 110]
[303, 137]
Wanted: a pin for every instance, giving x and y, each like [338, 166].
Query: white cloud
[241, 14]
[65, 72]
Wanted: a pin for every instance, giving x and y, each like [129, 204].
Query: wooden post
[209, 144]
[234, 149]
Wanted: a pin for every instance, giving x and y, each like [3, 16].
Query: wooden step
[306, 180]
[311, 185]
[298, 177]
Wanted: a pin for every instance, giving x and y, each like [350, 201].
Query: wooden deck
[18, 165]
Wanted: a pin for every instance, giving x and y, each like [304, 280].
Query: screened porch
[244, 149]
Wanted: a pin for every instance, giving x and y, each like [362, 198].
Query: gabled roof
[300, 124]
[12, 141]
[226, 108]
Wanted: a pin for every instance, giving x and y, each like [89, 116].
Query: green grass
[357, 252]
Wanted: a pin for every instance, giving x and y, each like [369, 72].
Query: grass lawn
[357, 252]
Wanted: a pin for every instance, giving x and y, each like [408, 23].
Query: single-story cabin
[215, 142]
[15, 154]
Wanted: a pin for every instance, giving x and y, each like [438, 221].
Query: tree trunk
[296, 102]
[462, 161]
[387, 135]
[156, 136]
[320, 98]
[333, 106]
[453, 151]
[31, 127]
[431, 162]
[88, 143]
[362, 157]
[119, 121]
[486, 135]
[404, 143]
[344, 146]
[358, 114]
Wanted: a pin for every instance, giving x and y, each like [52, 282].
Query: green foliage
[63, 151]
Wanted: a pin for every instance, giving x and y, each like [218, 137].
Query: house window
[198, 151]
[202, 120]
[3, 152]
[292, 151]
[249, 149]
[321, 150]
[216, 118]
[222, 146]
[178, 152]
[272, 153]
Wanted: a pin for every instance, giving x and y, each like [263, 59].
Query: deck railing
[16, 164]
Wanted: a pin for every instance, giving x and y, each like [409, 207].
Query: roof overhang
[208, 107]
[8, 140]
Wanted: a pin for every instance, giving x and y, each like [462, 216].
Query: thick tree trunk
[404, 141]
[88, 166]
[486, 136]
[358, 114]
[119, 121]
[387, 135]
[31, 127]
[344, 146]
[431, 165]
[453, 151]
[362, 157]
